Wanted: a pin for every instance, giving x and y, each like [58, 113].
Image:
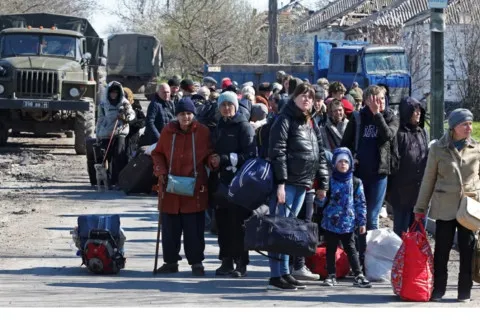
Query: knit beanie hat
[229, 96]
[248, 90]
[187, 85]
[185, 105]
[342, 154]
[226, 82]
[259, 110]
[174, 82]
[458, 116]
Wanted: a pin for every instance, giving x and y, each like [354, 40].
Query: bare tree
[465, 66]
[415, 40]
[198, 32]
[82, 8]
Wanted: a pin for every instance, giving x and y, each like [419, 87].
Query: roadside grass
[476, 131]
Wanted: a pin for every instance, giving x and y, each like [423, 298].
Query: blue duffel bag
[252, 185]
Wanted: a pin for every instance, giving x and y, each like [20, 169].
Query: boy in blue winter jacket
[344, 211]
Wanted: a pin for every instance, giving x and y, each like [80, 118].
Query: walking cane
[160, 203]
[110, 142]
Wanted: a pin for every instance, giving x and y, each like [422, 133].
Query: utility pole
[273, 32]
[437, 72]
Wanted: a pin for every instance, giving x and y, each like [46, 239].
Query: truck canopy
[133, 55]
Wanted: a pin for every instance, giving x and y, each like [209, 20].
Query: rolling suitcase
[94, 155]
[137, 176]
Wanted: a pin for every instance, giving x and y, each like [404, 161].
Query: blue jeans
[374, 188]
[294, 197]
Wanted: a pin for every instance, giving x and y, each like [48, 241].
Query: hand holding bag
[277, 234]
[182, 186]
[468, 213]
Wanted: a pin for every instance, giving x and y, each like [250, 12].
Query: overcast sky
[102, 20]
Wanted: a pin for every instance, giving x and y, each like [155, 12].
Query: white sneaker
[305, 274]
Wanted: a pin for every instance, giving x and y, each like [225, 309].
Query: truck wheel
[3, 134]
[84, 128]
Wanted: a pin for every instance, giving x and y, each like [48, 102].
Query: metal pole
[437, 56]
[273, 32]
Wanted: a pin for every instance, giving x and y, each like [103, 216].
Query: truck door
[346, 67]
[145, 58]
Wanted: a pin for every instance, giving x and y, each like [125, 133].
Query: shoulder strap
[194, 155]
[358, 120]
[356, 183]
[193, 152]
[171, 154]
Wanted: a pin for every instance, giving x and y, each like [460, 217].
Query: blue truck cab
[349, 62]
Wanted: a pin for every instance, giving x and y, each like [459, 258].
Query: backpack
[262, 136]
[394, 155]
[252, 184]
[100, 243]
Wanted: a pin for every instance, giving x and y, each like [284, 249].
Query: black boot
[240, 271]
[168, 268]
[226, 268]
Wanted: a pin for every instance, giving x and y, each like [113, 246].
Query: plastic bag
[382, 246]
[412, 271]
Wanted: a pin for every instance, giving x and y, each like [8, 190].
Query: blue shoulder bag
[182, 186]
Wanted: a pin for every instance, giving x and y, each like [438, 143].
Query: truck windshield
[386, 62]
[33, 45]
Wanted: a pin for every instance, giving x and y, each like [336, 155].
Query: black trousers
[116, 157]
[306, 213]
[231, 233]
[444, 235]
[348, 242]
[192, 225]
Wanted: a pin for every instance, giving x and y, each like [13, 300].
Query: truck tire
[3, 134]
[84, 128]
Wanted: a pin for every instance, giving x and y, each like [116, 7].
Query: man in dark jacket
[159, 113]
[404, 185]
[175, 95]
[372, 150]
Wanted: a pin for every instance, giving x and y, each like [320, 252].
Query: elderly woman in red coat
[182, 213]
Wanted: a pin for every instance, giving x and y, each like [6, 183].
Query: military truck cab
[48, 77]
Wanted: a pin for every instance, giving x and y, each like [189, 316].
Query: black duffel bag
[276, 234]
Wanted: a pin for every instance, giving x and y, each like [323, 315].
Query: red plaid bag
[412, 270]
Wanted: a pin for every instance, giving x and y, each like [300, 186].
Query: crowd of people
[337, 155]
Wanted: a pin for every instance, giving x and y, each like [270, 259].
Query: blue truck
[344, 61]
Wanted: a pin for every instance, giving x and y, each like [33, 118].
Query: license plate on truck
[36, 104]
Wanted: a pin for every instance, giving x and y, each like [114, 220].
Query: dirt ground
[43, 188]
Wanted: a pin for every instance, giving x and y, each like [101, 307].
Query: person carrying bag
[445, 186]
[180, 157]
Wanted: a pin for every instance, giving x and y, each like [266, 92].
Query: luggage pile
[100, 242]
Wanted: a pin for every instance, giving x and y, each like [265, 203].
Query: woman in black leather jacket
[298, 158]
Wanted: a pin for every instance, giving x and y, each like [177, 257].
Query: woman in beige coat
[441, 185]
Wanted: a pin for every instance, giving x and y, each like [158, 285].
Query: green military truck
[135, 60]
[50, 69]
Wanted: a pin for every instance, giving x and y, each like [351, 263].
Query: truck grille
[36, 84]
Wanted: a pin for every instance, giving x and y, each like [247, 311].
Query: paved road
[38, 266]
